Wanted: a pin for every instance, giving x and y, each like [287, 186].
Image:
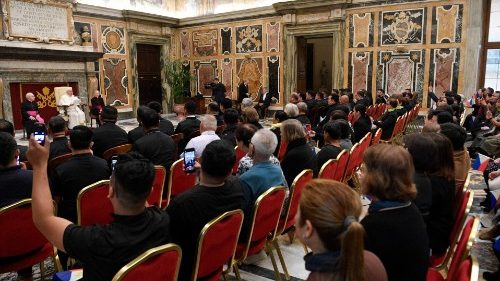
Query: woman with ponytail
[327, 222]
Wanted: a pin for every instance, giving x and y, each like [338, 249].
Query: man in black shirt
[137, 132]
[108, 135]
[218, 90]
[165, 126]
[213, 109]
[155, 145]
[57, 130]
[81, 170]
[188, 125]
[8, 127]
[213, 196]
[231, 122]
[103, 249]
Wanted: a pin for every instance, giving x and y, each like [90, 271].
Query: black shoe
[491, 276]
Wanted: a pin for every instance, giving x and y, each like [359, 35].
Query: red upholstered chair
[462, 250]
[154, 197]
[239, 154]
[461, 215]
[157, 264]
[266, 215]
[217, 245]
[178, 141]
[220, 129]
[56, 161]
[350, 117]
[20, 237]
[462, 188]
[287, 223]
[179, 181]
[328, 169]
[364, 143]
[342, 160]
[377, 137]
[467, 271]
[93, 205]
[121, 149]
[351, 164]
[282, 150]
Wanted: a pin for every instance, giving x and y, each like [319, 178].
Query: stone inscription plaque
[39, 21]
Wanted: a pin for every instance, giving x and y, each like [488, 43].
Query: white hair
[264, 142]
[302, 106]
[291, 110]
[208, 122]
[246, 102]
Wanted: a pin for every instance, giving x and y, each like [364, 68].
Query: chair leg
[282, 260]
[305, 247]
[273, 261]
[291, 234]
[237, 272]
[42, 270]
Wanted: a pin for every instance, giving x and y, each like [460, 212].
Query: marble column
[1, 98]
[290, 66]
[473, 36]
[338, 58]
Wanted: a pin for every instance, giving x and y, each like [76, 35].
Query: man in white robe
[75, 114]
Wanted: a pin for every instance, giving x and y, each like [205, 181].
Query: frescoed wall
[406, 46]
[233, 52]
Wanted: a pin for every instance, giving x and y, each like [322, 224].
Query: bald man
[30, 113]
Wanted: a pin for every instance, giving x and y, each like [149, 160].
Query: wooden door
[149, 73]
[301, 64]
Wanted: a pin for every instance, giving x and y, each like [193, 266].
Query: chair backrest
[364, 144]
[295, 193]
[239, 154]
[328, 169]
[177, 140]
[59, 92]
[56, 161]
[350, 117]
[467, 271]
[19, 235]
[217, 244]
[120, 149]
[464, 245]
[266, 215]
[93, 205]
[351, 164]
[378, 135]
[461, 215]
[342, 160]
[220, 129]
[156, 194]
[282, 150]
[462, 187]
[157, 264]
[180, 181]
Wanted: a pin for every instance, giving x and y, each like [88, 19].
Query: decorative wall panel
[361, 30]
[115, 81]
[205, 43]
[361, 67]
[447, 24]
[402, 27]
[249, 39]
[113, 40]
[185, 45]
[273, 37]
[401, 71]
[227, 75]
[205, 71]
[273, 64]
[444, 68]
[225, 35]
[250, 69]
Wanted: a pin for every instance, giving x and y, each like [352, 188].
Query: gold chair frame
[56, 161]
[201, 238]
[108, 153]
[55, 256]
[474, 272]
[122, 273]
[159, 167]
[271, 236]
[82, 193]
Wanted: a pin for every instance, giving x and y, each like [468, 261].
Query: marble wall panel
[115, 81]
[273, 64]
[361, 30]
[444, 70]
[447, 24]
[249, 39]
[185, 44]
[113, 39]
[400, 71]
[273, 36]
[227, 75]
[204, 42]
[250, 69]
[402, 27]
[360, 70]
[225, 34]
[205, 73]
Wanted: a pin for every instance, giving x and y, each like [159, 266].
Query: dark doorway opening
[314, 63]
[149, 73]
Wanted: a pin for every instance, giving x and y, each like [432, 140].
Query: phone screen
[17, 161]
[114, 159]
[189, 160]
[40, 137]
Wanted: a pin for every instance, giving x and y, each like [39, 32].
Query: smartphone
[189, 160]
[114, 159]
[17, 161]
[40, 137]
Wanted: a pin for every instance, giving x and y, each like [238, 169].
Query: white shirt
[199, 143]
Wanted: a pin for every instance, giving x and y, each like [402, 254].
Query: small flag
[481, 162]
[73, 275]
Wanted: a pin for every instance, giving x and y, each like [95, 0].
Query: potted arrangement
[178, 79]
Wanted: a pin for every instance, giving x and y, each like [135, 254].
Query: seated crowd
[413, 189]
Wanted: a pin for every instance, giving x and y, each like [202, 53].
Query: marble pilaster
[473, 34]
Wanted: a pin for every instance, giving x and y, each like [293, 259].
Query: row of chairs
[403, 124]
[220, 236]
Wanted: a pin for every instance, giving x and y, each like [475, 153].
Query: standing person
[218, 90]
[75, 114]
[243, 91]
[30, 114]
[387, 177]
[327, 222]
[97, 103]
